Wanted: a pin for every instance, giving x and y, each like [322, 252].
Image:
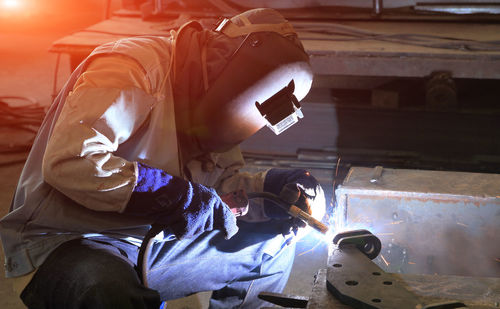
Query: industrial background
[402, 126]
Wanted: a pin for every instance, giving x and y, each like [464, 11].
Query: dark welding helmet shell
[264, 64]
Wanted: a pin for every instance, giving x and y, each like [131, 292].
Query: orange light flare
[11, 4]
[15, 9]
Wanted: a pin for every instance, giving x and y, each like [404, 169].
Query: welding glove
[311, 196]
[187, 208]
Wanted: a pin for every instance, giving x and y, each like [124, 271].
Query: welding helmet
[261, 84]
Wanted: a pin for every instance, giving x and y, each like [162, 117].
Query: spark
[310, 250]
[385, 261]
[385, 234]
[412, 263]
[462, 224]
[319, 242]
[396, 222]
[356, 219]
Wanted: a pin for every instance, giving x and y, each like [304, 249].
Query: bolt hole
[351, 282]
[376, 273]
[376, 300]
[337, 265]
[388, 282]
[368, 248]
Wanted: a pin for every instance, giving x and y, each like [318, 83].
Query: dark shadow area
[411, 133]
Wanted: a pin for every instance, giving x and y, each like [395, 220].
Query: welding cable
[142, 257]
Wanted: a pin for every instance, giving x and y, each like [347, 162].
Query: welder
[146, 132]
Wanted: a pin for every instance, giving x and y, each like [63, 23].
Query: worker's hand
[187, 208]
[309, 195]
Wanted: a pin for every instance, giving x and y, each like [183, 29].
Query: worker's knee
[116, 294]
[93, 288]
[87, 274]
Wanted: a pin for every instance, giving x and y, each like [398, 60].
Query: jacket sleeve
[234, 178]
[109, 102]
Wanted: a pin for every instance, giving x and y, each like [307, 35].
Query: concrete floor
[27, 69]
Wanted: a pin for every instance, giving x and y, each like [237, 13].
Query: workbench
[376, 49]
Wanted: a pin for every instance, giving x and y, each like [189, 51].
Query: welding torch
[238, 203]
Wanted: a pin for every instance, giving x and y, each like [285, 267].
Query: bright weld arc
[321, 238]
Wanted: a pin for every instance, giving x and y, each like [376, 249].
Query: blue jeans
[100, 272]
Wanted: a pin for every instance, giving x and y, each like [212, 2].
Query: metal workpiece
[475, 292]
[362, 240]
[377, 173]
[429, 222]
[356, 281]
[353, 280]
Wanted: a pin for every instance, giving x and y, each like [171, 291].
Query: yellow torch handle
[296, 212]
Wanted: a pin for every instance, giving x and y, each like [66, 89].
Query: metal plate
[357, 281]
[476, 293]
[429, 222]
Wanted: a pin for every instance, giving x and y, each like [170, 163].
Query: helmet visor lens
[282, 110]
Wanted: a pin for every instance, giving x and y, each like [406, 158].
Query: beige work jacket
[116, 110]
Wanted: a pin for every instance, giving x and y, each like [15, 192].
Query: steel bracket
[358, 282]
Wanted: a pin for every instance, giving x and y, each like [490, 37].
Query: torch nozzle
[292, 210]
[296, 212]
